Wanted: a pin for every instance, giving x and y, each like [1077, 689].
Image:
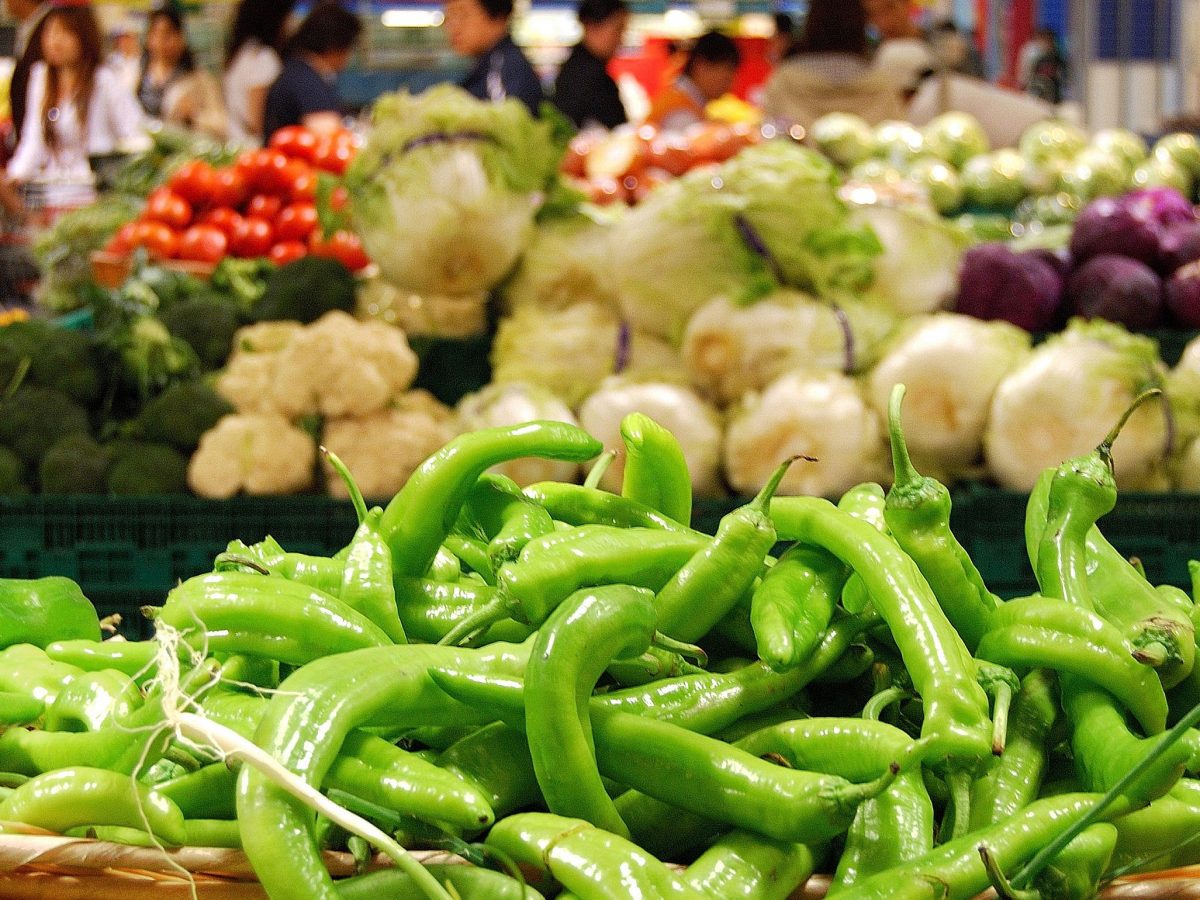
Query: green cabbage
[568, 261]
[768, 218]
[446, 188]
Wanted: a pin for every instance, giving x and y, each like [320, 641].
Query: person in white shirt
[904, 54]
[252, 63]
[77, 109]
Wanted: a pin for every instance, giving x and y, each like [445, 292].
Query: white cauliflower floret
[247, 378]
[817, 414]
[256, 453]
[382, 449]
[339, 367]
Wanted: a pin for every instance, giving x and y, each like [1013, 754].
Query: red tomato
[287, 251]
[122, 241]
[229, 188]
[158, 239]
[164, 205]
[228, 220]
[303, 183]
[333, 154]
[193, 181]
[264, 170]
[265, 206]
[254, 238]
[203, 243]
[669, 153]
[342, 245]
[295, 142]
[295, 222]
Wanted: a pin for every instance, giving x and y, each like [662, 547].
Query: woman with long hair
[170, 86]
[253, 60]
[78, 111]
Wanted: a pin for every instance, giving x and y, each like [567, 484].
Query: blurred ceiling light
[411, 18]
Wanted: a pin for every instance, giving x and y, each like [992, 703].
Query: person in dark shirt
[305, 92]
[479, 29]
[584, 91]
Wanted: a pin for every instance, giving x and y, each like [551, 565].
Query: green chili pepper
[367, 579]
[710, 584]
[570, 652]
[38, 611]
[863, 501]
[418, 518]
[497, 513]
[469, 883]
[656, 472]
[497, 759]
[587, 861]
[664, 830]
[305, 726]
[1162, 835]
[577, 505]
[941, 668]
[1037, 631]
[1105, 749]
[1014, 782]
[133, 658]
[430, 609]
[91, 701]
[793, 604]
[445, 566]
[741, 864]
[19, 709]
[918, 514]
[207, 793]
[74, 796]
[26, 669]
[272, 617]
[1080, 866]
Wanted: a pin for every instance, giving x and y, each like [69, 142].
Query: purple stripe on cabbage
[1116, 288]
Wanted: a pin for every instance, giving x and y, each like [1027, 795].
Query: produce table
[126, 552]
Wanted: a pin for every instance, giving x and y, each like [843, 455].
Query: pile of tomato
[262, 205]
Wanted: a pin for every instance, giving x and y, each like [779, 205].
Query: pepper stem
[1117, 792]
[1000, 707]
[1105, 448]
[1153, 654]
[960, 802]
[687, 651]
[882, 700]
[226, 561]
[869, 790]
[599, 467]
[487, 615]
[903, 471]
[1004, 888]
[762, 499]
[356, 497]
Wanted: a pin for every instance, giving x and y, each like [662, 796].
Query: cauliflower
[676, 407]
[514, 404]
[340, 367]
[247, 378]
[383, 449]
[814, 413]
[257, 453]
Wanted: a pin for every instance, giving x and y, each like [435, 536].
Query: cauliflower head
[248, 375]
[258, 453]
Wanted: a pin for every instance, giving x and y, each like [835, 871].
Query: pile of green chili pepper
[581, 696]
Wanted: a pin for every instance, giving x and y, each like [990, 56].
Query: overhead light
[412, 18]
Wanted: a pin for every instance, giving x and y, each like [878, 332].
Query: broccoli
[34, 418]
[207, 322]
[144, 469]
[148, 357]
[12, 474]
[76, 464]
[58, 358]
[182, 413]
[305, 290]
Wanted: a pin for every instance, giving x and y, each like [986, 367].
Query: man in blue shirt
[479, 29]
[305, 93]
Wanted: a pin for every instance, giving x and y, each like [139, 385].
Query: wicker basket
[48, 865]
[110, 270]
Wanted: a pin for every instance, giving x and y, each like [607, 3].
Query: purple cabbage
[1183, 295]
[1022, 288]
[1179, 245]
[1163, 206]
[1117, 288]
[1107, 225]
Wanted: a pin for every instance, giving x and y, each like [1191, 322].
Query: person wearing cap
[479, 29]
[584, 91]
[707, 75]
